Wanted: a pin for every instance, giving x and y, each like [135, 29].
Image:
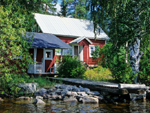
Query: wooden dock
[104, 86]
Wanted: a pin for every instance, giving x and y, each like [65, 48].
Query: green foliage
[74, 8]
[42, 82]
[145, 62]
[126, 21]
[70, 68]
[13, 44]
[99, 74]
[115, 60]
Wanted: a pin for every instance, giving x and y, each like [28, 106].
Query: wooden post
[35, 53]
[43, 63]
[87, 54]
[61, 55]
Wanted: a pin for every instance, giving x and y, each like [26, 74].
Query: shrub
[98, 74]
[71, 68]
[114, 59]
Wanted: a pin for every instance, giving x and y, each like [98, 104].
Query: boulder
[70, 99]
[96, 93]
[134, 96]
[24, 98]
[75, 88]
[39, 97]
[1, 99]
[93, 93]
[71, 93]
[56, 97]
[27, 88]
[39, 102]
[40, 92]
[82, 94]
[89, 100]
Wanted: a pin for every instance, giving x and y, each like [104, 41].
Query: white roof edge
[79, 39]
[89, 41]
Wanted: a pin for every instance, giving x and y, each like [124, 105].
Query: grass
[99, 74]
[43, 82]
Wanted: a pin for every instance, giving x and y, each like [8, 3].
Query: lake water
[13, 106]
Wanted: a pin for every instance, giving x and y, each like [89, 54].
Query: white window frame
[64, 52]
[51, 58]
[90, 53]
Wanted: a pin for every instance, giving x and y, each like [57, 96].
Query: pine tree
[74, 8]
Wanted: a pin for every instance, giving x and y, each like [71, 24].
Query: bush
[114, 59]
[98, 74]
[71, 68]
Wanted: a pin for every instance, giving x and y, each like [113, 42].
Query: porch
[43, 53]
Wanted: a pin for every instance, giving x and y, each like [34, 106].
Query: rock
[90, 93]
[27, 88]
[56, 97]
[75, 88]
[74, 93]
[58, 92]
[82, 93]
[70, 99]
[81, 89]
[96, 93]
[24, 98]
[134, 97]
[99, 97]
[68, 93]
[40, 92]
[69, 88]
[39, 102]
[39, 97]
[71, 93]
[63, 86]
[89, 100]
[86, 89]
[49, 91]
[1, 99]
[141, 91]
[46, 96]
[57, 86]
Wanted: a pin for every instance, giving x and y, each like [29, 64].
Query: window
[65, 52]
[49, 54]
[92, 48]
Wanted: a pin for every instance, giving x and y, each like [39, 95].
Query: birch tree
[130, 24]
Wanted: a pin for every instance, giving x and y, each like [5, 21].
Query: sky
[59, 1]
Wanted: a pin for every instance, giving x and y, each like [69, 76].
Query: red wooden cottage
[43, 53]
[78, 33]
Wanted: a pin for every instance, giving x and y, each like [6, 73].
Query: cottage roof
[70, 27]
[43, 40]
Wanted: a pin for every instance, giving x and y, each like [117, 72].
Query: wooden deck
[103, 86]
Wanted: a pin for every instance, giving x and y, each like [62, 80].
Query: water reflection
[14, 106]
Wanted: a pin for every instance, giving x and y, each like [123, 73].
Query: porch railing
[39, 69]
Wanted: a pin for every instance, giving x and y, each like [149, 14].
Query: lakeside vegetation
[125, 57]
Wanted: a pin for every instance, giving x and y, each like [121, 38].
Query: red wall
[86, 44]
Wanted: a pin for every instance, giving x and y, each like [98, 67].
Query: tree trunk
[135, 56]
[134, 49]
[126, 59]
[75, 16]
